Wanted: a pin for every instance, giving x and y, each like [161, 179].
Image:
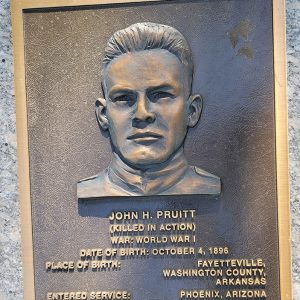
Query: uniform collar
[154, 180]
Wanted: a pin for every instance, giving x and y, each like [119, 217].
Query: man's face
[147, 106]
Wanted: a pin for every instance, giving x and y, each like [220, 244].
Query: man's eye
[160, 95]
[124, 98]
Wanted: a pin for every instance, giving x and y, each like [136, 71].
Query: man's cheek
[117, 122]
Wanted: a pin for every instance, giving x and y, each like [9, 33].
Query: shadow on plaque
[102, 207]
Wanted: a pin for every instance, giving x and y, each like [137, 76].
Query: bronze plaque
[179, 109]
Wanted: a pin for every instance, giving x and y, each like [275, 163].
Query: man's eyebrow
[119, 89]
[123, 89]
[161, 87]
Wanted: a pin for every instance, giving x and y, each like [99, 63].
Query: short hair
[149, 36]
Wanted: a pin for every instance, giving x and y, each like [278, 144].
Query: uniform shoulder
[91, 186]
[204, 173]
[205, 182]
[91, 178]
[196, 181]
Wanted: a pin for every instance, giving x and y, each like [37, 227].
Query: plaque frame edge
[281, 141]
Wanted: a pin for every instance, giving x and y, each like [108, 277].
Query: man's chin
[142, 160]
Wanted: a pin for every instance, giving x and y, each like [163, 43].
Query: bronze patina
[147, 109]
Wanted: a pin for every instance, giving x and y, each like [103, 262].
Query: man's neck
[151, 180]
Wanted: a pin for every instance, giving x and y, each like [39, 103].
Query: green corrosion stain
[240, 34]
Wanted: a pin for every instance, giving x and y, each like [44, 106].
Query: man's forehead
[153, 67]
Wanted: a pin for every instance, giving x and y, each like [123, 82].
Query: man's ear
[101, 113]
[195, 109]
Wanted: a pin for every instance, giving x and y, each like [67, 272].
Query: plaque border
[281, 134]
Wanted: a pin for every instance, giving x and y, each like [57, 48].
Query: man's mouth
[148, 136]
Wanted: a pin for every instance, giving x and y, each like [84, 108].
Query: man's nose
[142, 113]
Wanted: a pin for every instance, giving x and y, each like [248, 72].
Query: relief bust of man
[147, 109]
